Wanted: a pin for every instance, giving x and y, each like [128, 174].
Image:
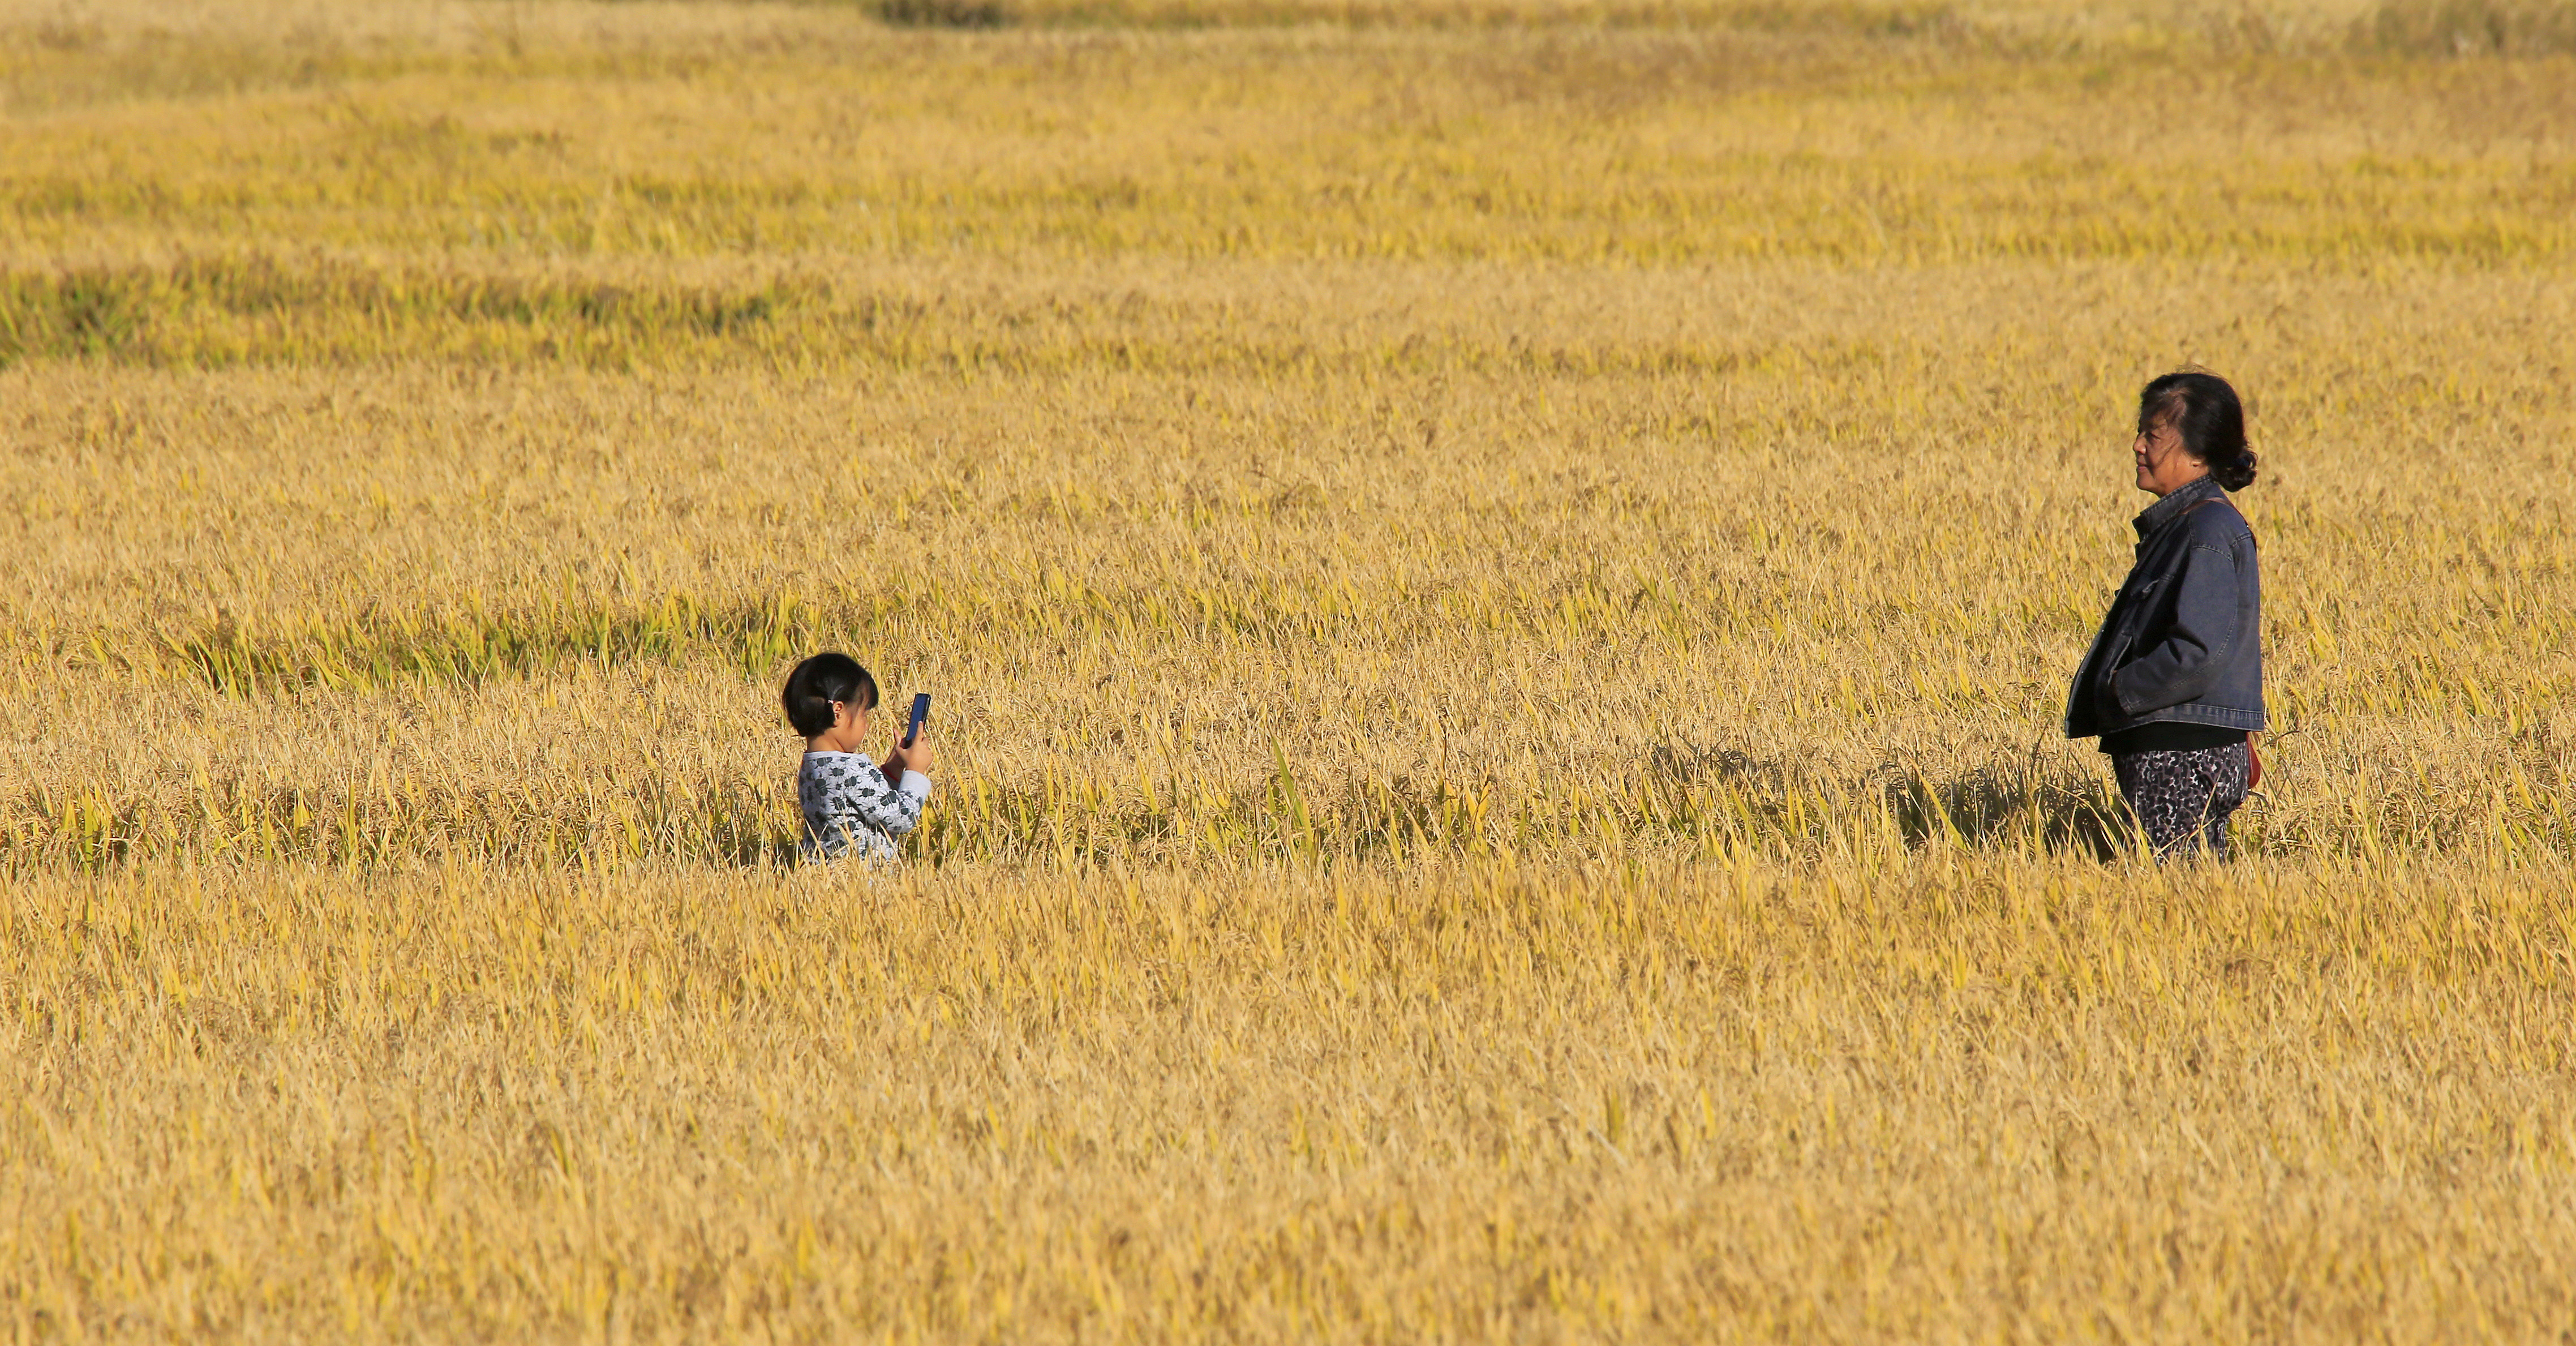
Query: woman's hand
[2106, 698]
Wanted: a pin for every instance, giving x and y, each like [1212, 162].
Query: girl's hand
[918, 757]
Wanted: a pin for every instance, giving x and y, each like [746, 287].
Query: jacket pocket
[2132, 615]
[2106, 700]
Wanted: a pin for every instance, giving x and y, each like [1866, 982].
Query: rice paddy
[1499, 577]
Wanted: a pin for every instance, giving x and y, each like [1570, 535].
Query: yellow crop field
[1499, 576]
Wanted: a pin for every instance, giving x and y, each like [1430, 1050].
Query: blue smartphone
[920, 717]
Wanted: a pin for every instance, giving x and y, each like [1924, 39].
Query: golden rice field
[1499, 577]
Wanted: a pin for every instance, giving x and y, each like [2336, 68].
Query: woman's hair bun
[2237, 473]
[2204, 411]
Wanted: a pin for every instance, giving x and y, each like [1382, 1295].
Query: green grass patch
[467, 645]
[213, 312]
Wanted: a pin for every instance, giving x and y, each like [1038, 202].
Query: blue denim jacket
[2183, 642]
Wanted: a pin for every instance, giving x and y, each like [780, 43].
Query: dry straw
[1499, 578]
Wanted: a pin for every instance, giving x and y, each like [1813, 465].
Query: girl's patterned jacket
[852, 809]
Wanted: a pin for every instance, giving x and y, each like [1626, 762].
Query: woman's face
[2164, 467]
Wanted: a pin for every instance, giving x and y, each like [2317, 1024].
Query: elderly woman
[2174, 681]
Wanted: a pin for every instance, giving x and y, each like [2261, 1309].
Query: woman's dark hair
[2204, 411]
[815, 684]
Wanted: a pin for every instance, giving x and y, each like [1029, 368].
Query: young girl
[851, 806]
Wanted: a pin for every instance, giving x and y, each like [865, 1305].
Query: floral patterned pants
[2182, 798]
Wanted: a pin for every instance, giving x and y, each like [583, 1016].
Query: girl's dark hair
[2204, 411]
[815, 684]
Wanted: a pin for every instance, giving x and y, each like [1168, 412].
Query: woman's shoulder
[2217, 519]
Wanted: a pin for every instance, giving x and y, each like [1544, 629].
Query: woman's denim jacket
[2183, 643]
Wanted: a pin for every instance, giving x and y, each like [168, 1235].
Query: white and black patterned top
[852, 809]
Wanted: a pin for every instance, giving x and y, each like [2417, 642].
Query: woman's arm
[2195, 648]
